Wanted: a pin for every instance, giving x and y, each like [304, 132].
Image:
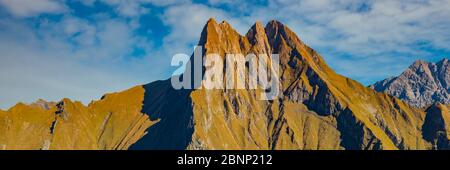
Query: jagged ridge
[317, 109]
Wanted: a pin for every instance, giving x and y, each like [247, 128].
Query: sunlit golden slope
[115, 122]
[317, 109]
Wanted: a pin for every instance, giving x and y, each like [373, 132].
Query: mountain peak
[419, 63]
[257, 28]
[273, 27]
[211, 21]
[277, 32]
[422, 84]
[256, 33]
[225, 23]
[43, 104]
[258, 24]
[214, 32]
[420, 67]
[442, 62]
[275, 24]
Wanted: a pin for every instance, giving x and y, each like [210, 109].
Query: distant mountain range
[316, 109]
[421, 85]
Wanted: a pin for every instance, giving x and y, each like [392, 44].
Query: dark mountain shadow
[433, 129]
[173, 109]
[352, 133]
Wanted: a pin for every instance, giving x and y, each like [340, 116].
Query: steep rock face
[237, 119]
[317, 108]
[421, 85]
[436, 128]
[115, 122]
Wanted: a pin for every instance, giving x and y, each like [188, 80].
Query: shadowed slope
[436, 128]
[172, 109]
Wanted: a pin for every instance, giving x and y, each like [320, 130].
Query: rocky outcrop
[421, 85]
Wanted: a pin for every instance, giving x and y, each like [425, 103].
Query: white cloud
[135, 8]
[74, 57]
[165, 2]
[70, 58]
[26, 8]
[33, 68]
[128, 8]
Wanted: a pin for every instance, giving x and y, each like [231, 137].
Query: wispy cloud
[26, 8]
[80, 58]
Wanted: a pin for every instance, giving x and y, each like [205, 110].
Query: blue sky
[81, 49]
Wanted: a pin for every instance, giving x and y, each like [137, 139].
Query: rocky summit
[316, 109]
[421, 85]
